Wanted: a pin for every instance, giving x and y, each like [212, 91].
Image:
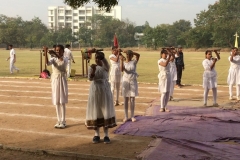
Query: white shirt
[12, 53]
[68, 54]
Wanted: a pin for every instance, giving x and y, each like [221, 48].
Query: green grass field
[29, 64]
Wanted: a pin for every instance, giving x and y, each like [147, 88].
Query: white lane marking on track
[38, 116]
[51, 106]
[40, 87]
[68, 93]
[79, 135]
[46, 83]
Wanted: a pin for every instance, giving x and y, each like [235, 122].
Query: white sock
[105, 129]
[230, 90]
[58, 111]
[132, 106]
[97, 132]
[214, 90]
[162, 100]
[126, 106]
[205, 95]
[63, 109]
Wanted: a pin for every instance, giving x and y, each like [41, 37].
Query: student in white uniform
[69, 56]
[100, 109]
[234, 73]
[164, 78]
[59, 85]
[129, 82]
[115, 73]
[13, 59]
[210, 76]
[173, 73]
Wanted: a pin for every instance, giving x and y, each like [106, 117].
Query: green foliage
[103, 4]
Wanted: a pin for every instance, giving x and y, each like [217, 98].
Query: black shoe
[96, 139]
[106, 140]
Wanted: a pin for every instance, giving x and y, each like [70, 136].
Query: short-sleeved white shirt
[12, 53]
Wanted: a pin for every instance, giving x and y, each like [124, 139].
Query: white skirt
[129, 87]
[233, 76]
[100, 108]
[59, 89]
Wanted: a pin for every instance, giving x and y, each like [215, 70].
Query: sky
[155, 12]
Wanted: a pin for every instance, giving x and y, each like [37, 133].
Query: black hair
[234, 48]
[164, 51]
[99, 55]
[60, 46]
[129, 52]
[67, 45]
[114, 47]
[10, 45]
[54, 46]
[207, 52]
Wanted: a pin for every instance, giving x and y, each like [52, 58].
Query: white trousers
[69, 68]
[12, 67]
[115, 85]
[61, 113]
[237, 90]
[164, 99]
[205, 95]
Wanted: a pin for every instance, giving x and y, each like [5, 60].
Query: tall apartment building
[65, 16]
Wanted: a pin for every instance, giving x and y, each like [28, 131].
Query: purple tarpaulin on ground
[198, 125]
[192, 123]
[169, 149]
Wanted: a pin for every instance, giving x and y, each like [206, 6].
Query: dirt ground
[27, 119]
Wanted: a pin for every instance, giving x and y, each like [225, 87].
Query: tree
[222, 20]
[102, 4]
[11, 30]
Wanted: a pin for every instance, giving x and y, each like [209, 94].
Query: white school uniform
[164, 77]
[100, 109]
[12, 67]
[173, 73]
[115, 72]
[69, 56]
[234, 71]
[59, 81]
[129, 79]
[209, 75]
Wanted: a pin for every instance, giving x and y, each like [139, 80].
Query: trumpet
[215, 50]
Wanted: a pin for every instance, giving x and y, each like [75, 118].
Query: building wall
[65, 16]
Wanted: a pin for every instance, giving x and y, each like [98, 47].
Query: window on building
[60, 11]
[81, 18]
[82, 12]
[51, 25]
[51, 12]
[51, 18]
[60, 17]
[68, 12]
[75, 27]
[75, 21]
[75, 14]
[89, 11]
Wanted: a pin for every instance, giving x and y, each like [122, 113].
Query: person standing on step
[210, 76]
[59, 84]
[129, 82]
